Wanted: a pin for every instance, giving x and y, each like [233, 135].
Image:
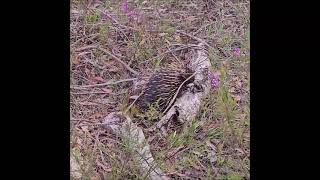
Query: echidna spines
[162, 86]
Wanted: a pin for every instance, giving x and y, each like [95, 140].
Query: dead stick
[86, 47]
[177, 92]
[202, 28]
[133, 102]
[194, 37]
[170, 51]
[120, 61]
[103, 84]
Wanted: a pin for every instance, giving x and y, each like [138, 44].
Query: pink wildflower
[214, 78]
[132, 14]
[125, 7]
[237, 52]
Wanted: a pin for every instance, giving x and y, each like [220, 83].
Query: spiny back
[162, 86]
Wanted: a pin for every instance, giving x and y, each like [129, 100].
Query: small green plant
[232, 176]
[92, 18]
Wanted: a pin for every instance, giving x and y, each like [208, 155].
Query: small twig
[195, 38]
[103, 84]
[119, 60]
[133, 102]
[206, 25]
[170, 51]
[98, 92]
[120, 31]
[180, 150]
[83, 53]
[177, 92]
[79, 120]
[83, 38]
[152, 167]
[173, 54]
[184, 45]
[116, 22]
[93, 124]
[86, 47]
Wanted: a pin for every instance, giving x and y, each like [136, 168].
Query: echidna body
[162, 86]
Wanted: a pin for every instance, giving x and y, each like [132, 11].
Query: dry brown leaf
[232, 90]
[239, 150]
[73, 11]
[85, 128]
[142, 42]
[239, 84]
[162, 34]
[182, 175]
[87, 71]
[209, 144]
[195, 165]
[79, 141]
[174, 151]
[212, 126]
[99, 79]
[237, 98]
[95, 116]
[107, 90]
[104, 167]
[75, 60]
[109, 62]
[178, 39]
[235, 79]
[113, 69]
[220, 147]
[191, 18]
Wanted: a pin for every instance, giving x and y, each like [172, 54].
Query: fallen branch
[173, 54]
[103, 84]
[86, 47]
[133, 102]
[121, 124]
[119, 60]
[83, 38]
[77, 120]
[116, 22]
[195, 38]
[170, 51]
[206, 25]
[84, 93]
[177, 92]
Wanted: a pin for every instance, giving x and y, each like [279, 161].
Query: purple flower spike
[132, 14]
[237, 52]
[125, 7]
[137, 16]
[214, 78]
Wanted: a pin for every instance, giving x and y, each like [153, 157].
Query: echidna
[163, 85]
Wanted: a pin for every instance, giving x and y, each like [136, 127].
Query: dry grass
[107, 46]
